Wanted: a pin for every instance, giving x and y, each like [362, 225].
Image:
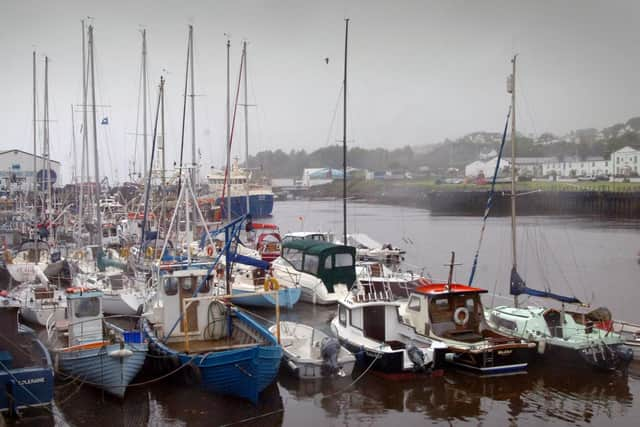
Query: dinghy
[312, 354]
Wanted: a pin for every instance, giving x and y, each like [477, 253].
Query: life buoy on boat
[461, 316]
[271, 284]
[209, 250]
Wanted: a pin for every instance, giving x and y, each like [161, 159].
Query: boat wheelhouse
[454, 314]
[324, 271]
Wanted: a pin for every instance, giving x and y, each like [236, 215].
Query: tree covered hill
[457, 153]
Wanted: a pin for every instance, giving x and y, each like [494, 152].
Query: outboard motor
[329, 348]
[417, 357]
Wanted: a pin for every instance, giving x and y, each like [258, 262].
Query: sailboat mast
[228, 137]
[162, 171]
[85, 145]
[144, 99]
[35, 131]
[246, 121]
[513, 170]
[95, 138]
[194, 172]
[344, 135]
[46, 142]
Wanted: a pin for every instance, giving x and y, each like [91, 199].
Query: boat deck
[203, 346]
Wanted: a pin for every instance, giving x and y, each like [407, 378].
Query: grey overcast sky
[420, 70]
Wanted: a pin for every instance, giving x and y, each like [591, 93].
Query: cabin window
[187, 283]
[170, 286]
[294, 256]
[343, 260]
[414, 304]
[87, 307]
[470, 304]
[503, 323]
[311, 263]
[327, 263]
[342, 315]
[356, 318]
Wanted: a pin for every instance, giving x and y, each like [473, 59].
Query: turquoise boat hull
[287, 297]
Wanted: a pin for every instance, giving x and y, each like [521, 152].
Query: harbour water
[593, 260]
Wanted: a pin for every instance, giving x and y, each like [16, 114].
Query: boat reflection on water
[166, 404]
[543, 395]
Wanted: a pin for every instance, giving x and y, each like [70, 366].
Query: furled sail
[519, 287]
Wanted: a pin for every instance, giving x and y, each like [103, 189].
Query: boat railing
[581, 334]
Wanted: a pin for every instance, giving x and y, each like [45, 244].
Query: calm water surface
[595, 261]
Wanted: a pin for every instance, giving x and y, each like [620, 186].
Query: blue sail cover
[519, 287]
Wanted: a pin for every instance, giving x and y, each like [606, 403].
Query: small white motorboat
[312, 354]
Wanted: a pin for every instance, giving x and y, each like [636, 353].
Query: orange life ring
[210, 250]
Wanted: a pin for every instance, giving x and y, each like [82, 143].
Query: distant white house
[625, 161]
[485, 168]
[622, 162]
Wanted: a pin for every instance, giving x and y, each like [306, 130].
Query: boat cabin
[307, 235]
[85, 315]
[329, 262]
[174, 286]
[453, 312]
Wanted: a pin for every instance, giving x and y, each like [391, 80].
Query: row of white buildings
[623, 162]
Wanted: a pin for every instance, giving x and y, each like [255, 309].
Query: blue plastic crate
[132, 337]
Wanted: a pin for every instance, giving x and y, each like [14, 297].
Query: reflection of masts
[95, 140]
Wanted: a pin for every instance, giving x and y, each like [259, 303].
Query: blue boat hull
[242, 372]
[260, 205]
[98, 368]
[287, 297]
[27, 386]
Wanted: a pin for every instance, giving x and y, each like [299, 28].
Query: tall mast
[228, 137]
[74, 177]
[95, 138]
[84, 162]
[45, 123]
[344, 135]
[246, 121]
[513, 169]
[162, 158]
[144, 99]
[193, 116]
[35, 148]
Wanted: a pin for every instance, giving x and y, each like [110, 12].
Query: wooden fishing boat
[228, 351]
[85, 352]
[311, 354]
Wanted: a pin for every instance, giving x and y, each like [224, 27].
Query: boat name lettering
[31, 381]
[505, 352]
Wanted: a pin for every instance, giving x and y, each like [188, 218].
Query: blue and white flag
[105, 121]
